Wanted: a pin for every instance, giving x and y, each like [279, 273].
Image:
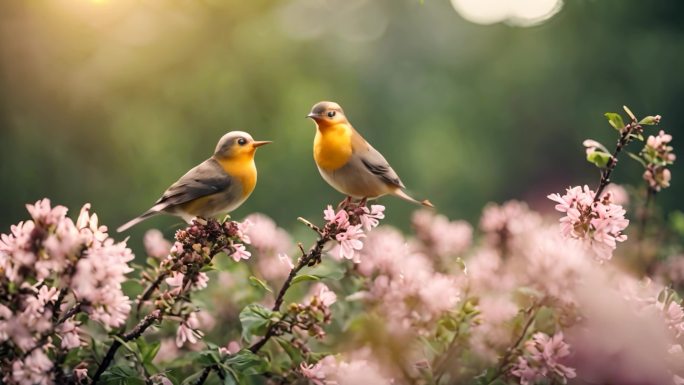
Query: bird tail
[136, 220]
[403, 195]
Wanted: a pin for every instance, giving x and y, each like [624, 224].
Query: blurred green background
[109, 101]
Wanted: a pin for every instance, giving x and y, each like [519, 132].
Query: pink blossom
[168, 351]
[326, 296]
[187, 331]
[243, 231]
[98, 279]
[266, 236]
[285, 259]
[442, 237]
[618, 194]
[240, 252]
[176, 279]
[541, 360]
[599, 224]
[350, 242]
[504, 224]
[232, 348]
[88, 225]
[34, 369]
[156, 246]
[339, 218]
[44, 215]
[81, 374]
[69, 332]
[371, 217]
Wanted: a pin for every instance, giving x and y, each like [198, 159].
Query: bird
[218, 185]
[348, 162]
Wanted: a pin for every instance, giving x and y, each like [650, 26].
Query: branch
[505, 360]
[310, 258]
[137, 331]
[625, 138]
[150, 289]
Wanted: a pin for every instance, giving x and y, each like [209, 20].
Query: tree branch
[137, 331]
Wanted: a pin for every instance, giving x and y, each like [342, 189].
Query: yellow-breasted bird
[348, 162]
[218, 185]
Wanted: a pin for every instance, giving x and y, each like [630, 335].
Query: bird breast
[243, 170]
[332, 146]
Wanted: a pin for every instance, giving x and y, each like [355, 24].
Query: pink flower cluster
[331, 371]
[349, 229]
[76, 267]
[658, 154]
[541, 360]
[599, 224]
[440, 236]
[404, 286]
[502, 224]
[270, 242]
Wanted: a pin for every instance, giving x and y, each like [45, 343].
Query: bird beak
[259, 143]
[312, 116]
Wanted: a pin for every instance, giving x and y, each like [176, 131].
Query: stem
[505, 360]
[313, 255]
[612, 162]
[150, 289]
[137, 331]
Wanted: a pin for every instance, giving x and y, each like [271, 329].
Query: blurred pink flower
[599, 224]
[266, 236]
[32, 370]
[502, 224]
[541, 360]
[240, 252]
[156, 246]
[176, 279]
[69, 332]
[81, 374]
[350, 242]
[285, 259]
[618, 194]
[232, 348]
[439, 235]
[243, 231]
[326, 296]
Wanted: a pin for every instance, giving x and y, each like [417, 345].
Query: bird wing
[374, 162]
[207, 178]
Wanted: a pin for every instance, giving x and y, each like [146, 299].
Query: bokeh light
[523, 13]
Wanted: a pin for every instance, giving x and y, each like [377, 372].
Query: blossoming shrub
[513, 300]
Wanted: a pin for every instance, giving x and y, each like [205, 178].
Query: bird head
[237, 144]
[327, 114]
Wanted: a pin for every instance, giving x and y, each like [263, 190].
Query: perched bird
[218, 185]
[347, 162]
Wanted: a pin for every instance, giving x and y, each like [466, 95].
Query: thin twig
[137, 331]
[625, 138]
[313, 255]
[505, 360]
[150, 289]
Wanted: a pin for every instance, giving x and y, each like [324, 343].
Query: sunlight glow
[522, 13]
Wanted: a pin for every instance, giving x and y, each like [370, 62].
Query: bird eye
[242, 141]
[331, 114]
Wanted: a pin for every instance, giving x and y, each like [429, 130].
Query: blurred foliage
[110, 101]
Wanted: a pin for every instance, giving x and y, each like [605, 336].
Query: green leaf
[305, 277]
[637, 158]
[599, 158]
[256, 282]
[123, 343]
[615, 120]
[254, 320]
[247, 363]
[649, 121]
[192, 379]
[294, 353]
[230, 378]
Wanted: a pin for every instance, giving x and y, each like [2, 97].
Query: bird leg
[362, 202]
[345, 202]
